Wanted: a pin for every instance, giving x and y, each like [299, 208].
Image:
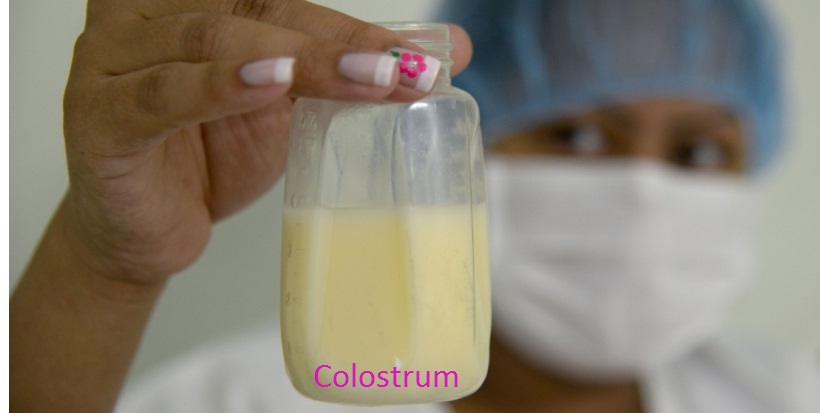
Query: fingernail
[268, 71]
[417, 70]
[368, 68]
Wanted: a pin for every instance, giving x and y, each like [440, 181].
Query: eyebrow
[616, 115]
[622, 118]
[704, 120]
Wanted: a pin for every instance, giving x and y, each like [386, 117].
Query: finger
[462, 48]
[460, 55]
[310, 19]
[323, 22]
[326, 23]
[298, 15]
[324, 68]
[148, 104]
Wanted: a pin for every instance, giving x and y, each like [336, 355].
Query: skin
[514, 385]
[162, 140]
[697, 136]
[688, 134]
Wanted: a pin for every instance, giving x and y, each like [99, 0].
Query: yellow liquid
[383, 288]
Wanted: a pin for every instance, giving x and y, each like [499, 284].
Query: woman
[624, 143]
[626, 138]
[612, 264]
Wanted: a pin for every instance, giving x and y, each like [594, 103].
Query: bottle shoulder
[449, 104]
[440, 94]
[456, 93]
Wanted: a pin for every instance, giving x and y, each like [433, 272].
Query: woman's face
[685, 133]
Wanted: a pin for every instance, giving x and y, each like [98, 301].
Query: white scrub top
[247, 375]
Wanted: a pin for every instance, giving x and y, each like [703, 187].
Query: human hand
[165, 131]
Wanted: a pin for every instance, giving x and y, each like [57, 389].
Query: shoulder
[737, 373]
[237, 375]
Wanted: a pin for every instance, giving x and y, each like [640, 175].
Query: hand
[165, 131]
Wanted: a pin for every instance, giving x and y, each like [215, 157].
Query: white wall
[785, 304]
[235, 283]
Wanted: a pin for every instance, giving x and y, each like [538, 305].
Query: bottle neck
[440, 51]
[434, 38]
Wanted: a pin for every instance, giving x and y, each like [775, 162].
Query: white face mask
[604, 269]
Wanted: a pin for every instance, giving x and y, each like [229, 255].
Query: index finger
[311, 19]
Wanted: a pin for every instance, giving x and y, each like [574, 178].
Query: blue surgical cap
[535, 61]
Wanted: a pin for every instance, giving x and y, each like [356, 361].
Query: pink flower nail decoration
[411, 63]
[416, 70]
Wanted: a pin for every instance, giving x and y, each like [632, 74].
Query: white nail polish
[417, 70]
[283, 69]
[268, 71]
[368, 68]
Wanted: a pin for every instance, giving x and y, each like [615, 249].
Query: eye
[580, 139]
[702, 154]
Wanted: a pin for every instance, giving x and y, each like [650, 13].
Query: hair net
[535, 61]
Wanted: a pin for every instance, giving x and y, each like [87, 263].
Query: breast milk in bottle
[385, 274]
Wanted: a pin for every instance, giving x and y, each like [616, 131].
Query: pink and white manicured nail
[417, 70]
[369, 68]
[268, 71]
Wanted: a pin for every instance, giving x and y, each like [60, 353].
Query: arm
[73, 332]
[170, 125]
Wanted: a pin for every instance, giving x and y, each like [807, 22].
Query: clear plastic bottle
[385, 273]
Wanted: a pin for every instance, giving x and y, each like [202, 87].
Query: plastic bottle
[385, 274]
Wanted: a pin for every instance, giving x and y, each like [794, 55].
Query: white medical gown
[247, 374]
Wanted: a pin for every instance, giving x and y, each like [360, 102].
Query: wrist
[73, 247]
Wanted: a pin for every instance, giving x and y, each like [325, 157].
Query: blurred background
[235, 285]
